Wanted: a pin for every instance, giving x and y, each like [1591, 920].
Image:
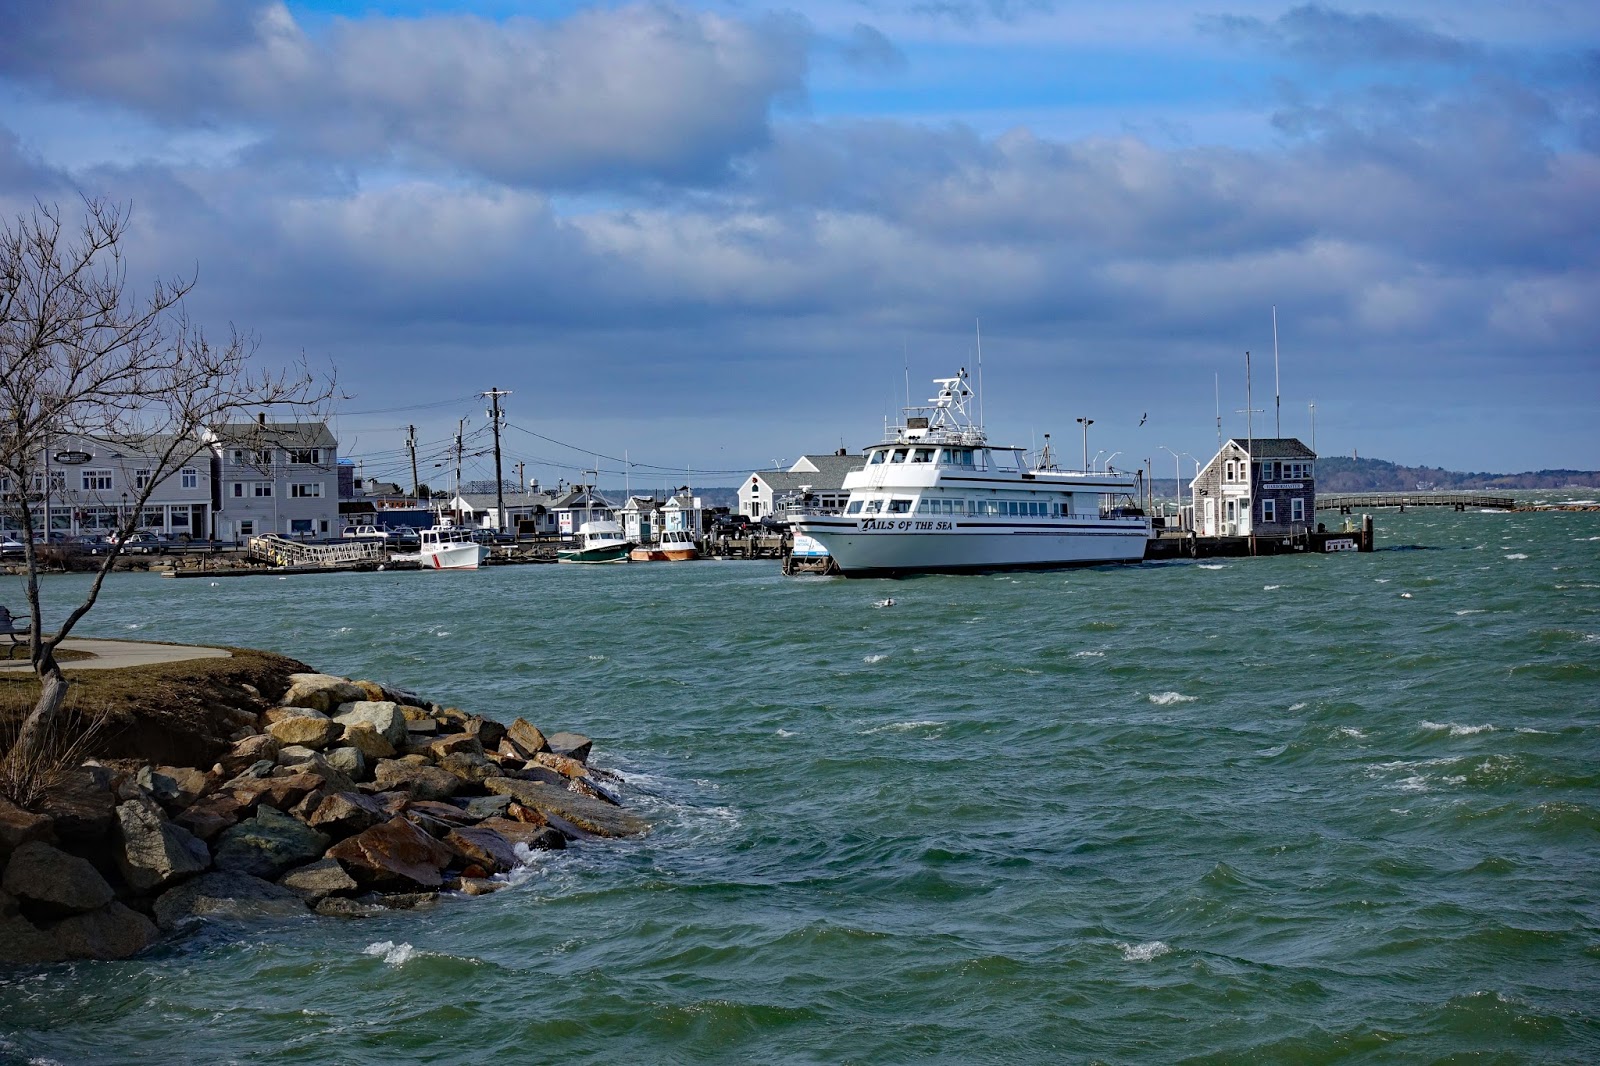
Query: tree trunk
[43, 722]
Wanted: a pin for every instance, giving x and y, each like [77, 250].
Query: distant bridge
[1345, 502]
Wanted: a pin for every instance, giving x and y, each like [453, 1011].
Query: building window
[306, 491]
[190, 478]
[1269, 511]
[247, 527]
[300, 525]
[1297, 509]
[97, 481]
[309, 456]
[1227, 470]
[263, 488]
[264, 457]
[141, 479]
[238, 490]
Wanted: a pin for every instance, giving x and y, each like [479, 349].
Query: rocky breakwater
[340, 797]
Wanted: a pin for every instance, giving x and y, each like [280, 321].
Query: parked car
[142, 542]
[364, 533]
[10, 545]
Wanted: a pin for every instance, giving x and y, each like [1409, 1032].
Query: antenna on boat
[977, 325]
[1277, 393]
[905, 357]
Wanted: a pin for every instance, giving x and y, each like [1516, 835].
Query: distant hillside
[1339, 474]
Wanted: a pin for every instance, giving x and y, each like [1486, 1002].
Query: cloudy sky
[711, 234]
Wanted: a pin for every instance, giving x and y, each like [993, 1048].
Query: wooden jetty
[1348, 502]
[1184, 544]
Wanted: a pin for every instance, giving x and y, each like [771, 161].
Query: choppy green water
[1301, 810]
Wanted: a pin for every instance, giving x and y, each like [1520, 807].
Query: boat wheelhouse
[936, 496]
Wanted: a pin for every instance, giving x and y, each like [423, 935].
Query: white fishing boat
[600, 541]
[446, 548]
[935, 496]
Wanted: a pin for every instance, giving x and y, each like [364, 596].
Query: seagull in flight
[1143, 417]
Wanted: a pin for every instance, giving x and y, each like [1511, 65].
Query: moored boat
[674, 546]
[446, 548]
[596, 542]
[935, 496]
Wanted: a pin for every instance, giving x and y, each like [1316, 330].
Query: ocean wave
[1459, 613]
[1167, 699]
[1349, 731]
[786, 733]
[1088, 655]
[393, 954]
[1153, 949]
[875, 658]
[902, 727]
[1270, 588]
[1213, 566]
[1299, 706]
[1517, 555]
[1457, 730]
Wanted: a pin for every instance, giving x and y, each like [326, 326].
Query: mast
[1216, 383]
[978, 326]
[1277, 393]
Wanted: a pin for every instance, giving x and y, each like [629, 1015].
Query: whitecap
[1516, 555]
[1381, 580]
[134, 625]
[1270, 588]
[1471, 612]
[597, 658]
[1213, 566]
[1416, 783]
[1457, 730]
[1349, 731]
[1405, 595]
[1088, 655]
[902, 727]
[392, 953]
[1298, 707]
[1167, 699]
[1153, 949]
[785, 733]
[874, 658]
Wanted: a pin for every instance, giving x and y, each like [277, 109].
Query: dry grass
[180, 713]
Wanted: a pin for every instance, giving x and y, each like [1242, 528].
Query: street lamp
[1085, 423]
[1192, 500]
[1097, 456]
[1177, 475]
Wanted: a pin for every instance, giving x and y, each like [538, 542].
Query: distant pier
[1348, 502]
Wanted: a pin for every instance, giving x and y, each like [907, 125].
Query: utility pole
[499, 483]
[455, 507]
[411, 446]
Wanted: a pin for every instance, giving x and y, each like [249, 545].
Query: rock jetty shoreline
[340, 797]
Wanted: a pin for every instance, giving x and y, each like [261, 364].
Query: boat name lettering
[904, 524]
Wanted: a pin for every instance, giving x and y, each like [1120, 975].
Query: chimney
[261, 419]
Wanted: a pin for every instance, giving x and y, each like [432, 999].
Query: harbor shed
[1263, 486]
[819, 478]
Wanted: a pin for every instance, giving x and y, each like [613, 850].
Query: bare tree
[82, 356]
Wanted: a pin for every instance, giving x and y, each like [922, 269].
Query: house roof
[282, 434]
[826, 473]
[1274, 448]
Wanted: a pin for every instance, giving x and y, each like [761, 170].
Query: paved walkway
[112, 654]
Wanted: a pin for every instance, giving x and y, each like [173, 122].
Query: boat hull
[664, 555]
[454, 557]
[975, 547]
[617, 554]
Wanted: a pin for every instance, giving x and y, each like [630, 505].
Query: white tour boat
[937, 497]
[448, 548]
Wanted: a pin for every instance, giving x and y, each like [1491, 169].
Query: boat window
[944, 455]
[874, 506]
[854, 508]
[877, 457]
[922, 455]
[899, 506]
[899, 456]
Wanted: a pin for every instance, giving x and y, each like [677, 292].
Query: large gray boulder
[154, 852]
[422, 781]
[305, 728]
[316, 881]
[384, 717]
[572, 745]
[563, 808]
[268, 844]
[24, 944]
[223, 894]
[46, 881]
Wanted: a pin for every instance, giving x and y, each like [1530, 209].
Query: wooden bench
[15, 629]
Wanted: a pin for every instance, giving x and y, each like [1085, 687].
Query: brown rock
[453, 718]
[24, 944]
[470, 768]
[174, 787]
[394, 853]
[561, 764]
[209, 816]
[344, 907]
[250, 751]
[454, 743]
[483, 847]
[280, 792]
[559, 805]
[414, 713]
[489, 733]
[322, 692]
[156, 852]
[423, 782]
[525, 739]
[82, 806]
[443, 812]
[345, 814]
[518, 813]
[373, 690]
[476, 886]
[538, 837]
[419, 728]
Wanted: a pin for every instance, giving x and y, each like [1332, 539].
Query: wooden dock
[1183, 544]
[1349, 502]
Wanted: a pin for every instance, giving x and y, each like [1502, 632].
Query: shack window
[1269, 511]
[1297, 509]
